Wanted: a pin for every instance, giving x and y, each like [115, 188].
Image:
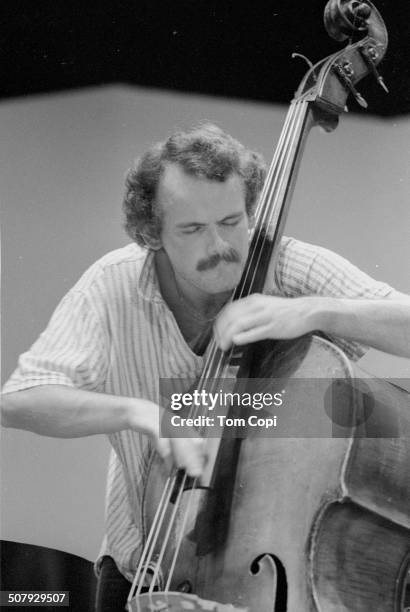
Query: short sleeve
[305, 269]
[73, 350]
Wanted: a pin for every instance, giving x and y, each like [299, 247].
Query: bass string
[180, 536]
[219, 360]
[147, 553]
[271, 213]
[164, 544]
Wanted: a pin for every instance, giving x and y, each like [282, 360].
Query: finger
[244, 306]
[195, 458]
[163, 446]
[252, 335]
[190, 455]
[244, 324]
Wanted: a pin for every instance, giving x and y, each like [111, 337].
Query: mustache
[230, 256]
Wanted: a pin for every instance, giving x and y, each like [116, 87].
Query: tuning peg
[344, 72]
[370, 55]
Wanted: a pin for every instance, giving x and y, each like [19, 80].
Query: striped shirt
[113, 333]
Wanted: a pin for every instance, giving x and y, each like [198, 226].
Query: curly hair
[205, 151]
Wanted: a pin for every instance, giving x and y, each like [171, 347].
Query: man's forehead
[177, 185]
[175, 181]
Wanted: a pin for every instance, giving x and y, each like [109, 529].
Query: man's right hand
[186, 453]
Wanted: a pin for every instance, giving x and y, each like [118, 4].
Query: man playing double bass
[148, 310]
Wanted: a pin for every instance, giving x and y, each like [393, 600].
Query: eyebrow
[199, 223]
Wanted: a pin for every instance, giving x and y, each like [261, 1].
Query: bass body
[318, 523]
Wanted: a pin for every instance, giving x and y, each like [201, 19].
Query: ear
[154, 244]
[150, 242]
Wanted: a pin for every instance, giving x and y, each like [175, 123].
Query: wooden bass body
[313, 524]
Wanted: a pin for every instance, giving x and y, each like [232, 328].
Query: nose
[215, 244]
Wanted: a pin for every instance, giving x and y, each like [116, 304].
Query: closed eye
[192, 229]
[233, 220]
[230, 221]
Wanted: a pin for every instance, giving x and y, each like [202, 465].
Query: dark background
[216, 47]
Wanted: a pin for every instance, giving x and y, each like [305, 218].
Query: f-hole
[281, 598]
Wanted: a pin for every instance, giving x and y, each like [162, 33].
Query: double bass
[315, 517]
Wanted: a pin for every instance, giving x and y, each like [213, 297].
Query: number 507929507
[34, 598]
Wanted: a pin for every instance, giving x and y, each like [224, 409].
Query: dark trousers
[112, 588]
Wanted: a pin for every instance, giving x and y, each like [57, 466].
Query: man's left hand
[259, 317]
